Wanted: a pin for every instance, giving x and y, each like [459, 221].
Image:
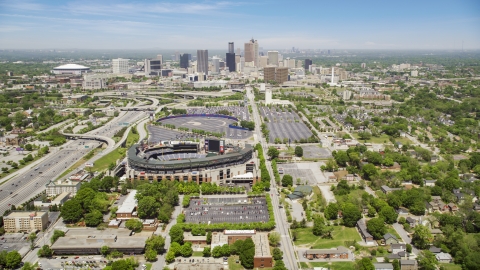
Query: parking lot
[284, 124]
[231, 210]
[209, 124]
[13, 241]
[315, 151]
[73, 262]
[308, 173]
[239, 112]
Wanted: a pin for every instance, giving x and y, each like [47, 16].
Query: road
[404, 235]
[280, 217]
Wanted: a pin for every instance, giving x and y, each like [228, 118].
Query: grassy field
[354, 196]
[149, 266]
[77, 164]
[197, 254]
[334, 265]
[132, 138]
[382, 139]
[305, 238]
[450, 266]
[103, 163]
[232, 265]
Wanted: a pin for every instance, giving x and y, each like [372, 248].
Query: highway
[32, 179]
[282, 225]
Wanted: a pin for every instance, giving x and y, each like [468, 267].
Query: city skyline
[307, 25]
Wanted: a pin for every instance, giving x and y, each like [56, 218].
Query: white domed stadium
[71, 69]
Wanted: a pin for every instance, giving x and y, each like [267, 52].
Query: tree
[369, 171]
[273, 152]
[274, 239]
[365, 264]
[45, 251]
[13, 259]
[376, 228]
[277, 254]
[217, 252]
[341, 157]
[105, 250]
[147, 207]
[427, 260]
[86, 197]
[56, 234]
[298, 151]
[409, 248]
[225, 250]
[156, 242]
[279, 265]
[170, 257]
[176, 234]
[186, 249]
[209, 238]
[93, 218]
[421, 237]
[287, 180]
[331, 211]
[351, 214]
[71, 211]
[150, 255]
[247, 253]
[388, 214]
[206, 252]
[32, 237]
[28, 266]
[364, 135]
[134, 225]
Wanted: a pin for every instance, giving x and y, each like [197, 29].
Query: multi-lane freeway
[32, 181]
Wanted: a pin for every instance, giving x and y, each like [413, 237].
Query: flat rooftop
[25, 214]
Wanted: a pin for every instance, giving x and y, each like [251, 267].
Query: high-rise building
[152, 66]
[269, 74]
[202, 61]
[256, 52]
[230, 58]
[177, 56]
[216, 64]
[249, 52]
[281, 75]
[273, 58]
[308, 63]
[231, 47]
[263, 61]
[120, 66]
[160, 57]
[239, 52]
[184, 63]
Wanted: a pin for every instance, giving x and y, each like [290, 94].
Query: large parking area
[227, 209]
[315, 151]
[209, 124]
[284, 124]
[14, 241]
[309, 173]
[73, 262]
[239, 112]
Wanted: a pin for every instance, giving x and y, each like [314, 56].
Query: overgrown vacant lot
[305, 238]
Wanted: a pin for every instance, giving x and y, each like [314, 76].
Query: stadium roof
[71, 66]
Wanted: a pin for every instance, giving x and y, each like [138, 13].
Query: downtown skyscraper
[251, 52]
[230, 57]
[202, 61]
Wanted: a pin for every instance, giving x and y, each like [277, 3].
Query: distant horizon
[142, 24]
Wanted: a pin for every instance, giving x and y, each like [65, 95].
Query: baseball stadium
[220, 161]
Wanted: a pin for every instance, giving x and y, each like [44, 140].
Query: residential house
[387, 189]
[437, 205]
[434, 249]
[338, 253]
[390, 239]
[383, 266]
[362, 228]
[476, 207]
[408, 265]
[453, 208]
[429, 183]
[411, 221]
[396, 248]
[443, 257]
[402, 211]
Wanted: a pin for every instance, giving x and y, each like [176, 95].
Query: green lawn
[382, 139]
[132, 138]
[149, 266]
[197, 254]
[392, 231]
[334, 265]
[450, 266]
[354, 196]
[340, 234]
[232, 265]
[103, 163]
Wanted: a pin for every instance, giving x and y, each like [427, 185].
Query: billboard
[221, 147]
[88, 164]
[214, 145]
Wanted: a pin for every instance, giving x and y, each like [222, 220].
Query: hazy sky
[184, 24]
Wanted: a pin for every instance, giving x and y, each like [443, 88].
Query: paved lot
[308, 172]
[327, 194]
[209, 124]
[239, 112]
[158, 134]
[315, 151]
[297, 211]
[231, 210]
[13, 241]
[84, 262]
[284, 124]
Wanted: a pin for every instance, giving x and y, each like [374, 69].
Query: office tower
[202, 61]
[231, 62]
[249, 52]
[263, 61]
[177, 56]
[364, 65]
[230, 57]
[256, 52]
[273, 58]
[308, 63]
[160, 57]
[216, 64]
[281, 75]
[184, 63]
[120, 66]
[269, 74]
[239, 52]
[268, 94]
[152, 67]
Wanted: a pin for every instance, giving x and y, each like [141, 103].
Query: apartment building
[25, 221]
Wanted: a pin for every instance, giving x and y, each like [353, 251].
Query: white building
[273, 58]
[54, 188]
[120, 66]
[25, 221]
[71, 69]
[268, 96]
[216, 64]
[93, 83]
